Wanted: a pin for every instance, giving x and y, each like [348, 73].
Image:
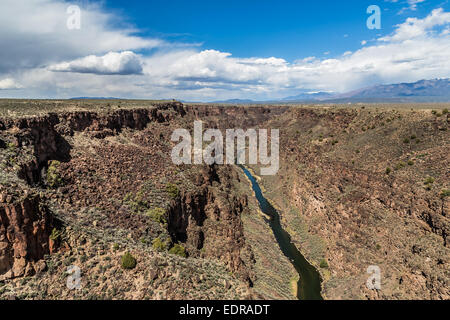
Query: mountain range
[435, 90]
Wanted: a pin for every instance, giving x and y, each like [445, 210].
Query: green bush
[399, 165]
[445, 193]
[11, 147]
[179, 250]
[428, 183]
[388, 170]
[410, 163]
[128, 261]
[172, 190]
[323, 264]
[136, 203]
[159, 245]
[406, 140]
[157, 215]
[54, 179]
[55, 235]
[445, 111]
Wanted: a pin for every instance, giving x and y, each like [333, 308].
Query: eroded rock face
[25, 228]
[209, 221]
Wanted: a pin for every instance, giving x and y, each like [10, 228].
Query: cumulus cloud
[34, 33]
[8, 84]
[413, 51]
[415, 28]
[48, 60]
[119, 63]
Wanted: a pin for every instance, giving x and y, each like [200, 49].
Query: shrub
[323, 264]
[428, 183]
[399, 165]
[445, 111]
[54, 179]
[172, 190]
[406, 140]
[413, 137]
[157, 215]
[388, 170]
[159, 245]
[11, 147]
[136, 202]
[410, 163]
[55, 235]
[128, 197]
[179, 250]
[445, 193]
[128, 261]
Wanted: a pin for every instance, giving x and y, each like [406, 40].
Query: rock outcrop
[25, 228]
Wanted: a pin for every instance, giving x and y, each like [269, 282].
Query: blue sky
[287, 29]
[208, 50]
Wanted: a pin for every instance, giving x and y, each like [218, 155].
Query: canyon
[84, 183]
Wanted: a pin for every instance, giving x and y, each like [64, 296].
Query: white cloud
[412, 4]
[401, 56]
[123, 63]
[8, 84]
[414, 28]
[34, 33]
[417, 49]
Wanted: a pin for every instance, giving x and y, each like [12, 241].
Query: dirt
[83, 183]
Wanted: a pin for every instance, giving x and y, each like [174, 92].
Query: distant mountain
[95, 98]
[309, 96]
[437, 90]
[236, 101]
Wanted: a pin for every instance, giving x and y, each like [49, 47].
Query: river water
[309, 284]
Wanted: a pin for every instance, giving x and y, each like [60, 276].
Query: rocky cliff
[104, 177]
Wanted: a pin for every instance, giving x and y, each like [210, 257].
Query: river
[309, 283]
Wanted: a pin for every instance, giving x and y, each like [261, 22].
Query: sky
[216, 50]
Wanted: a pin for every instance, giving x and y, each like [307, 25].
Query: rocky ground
[368, 186]
[91, 184]
[84, 188]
